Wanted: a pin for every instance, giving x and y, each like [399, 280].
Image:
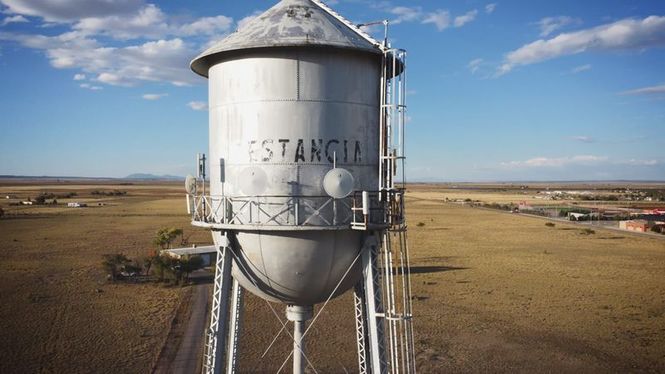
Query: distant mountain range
[152, 177]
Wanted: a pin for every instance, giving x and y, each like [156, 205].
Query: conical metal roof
[290, 23]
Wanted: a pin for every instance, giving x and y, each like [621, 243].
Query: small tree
[165, 237]
[161, 264]
[113, 263]
[191, 264]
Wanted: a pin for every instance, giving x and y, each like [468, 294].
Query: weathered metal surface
[296, 267]
[278, 120]
[290, 23]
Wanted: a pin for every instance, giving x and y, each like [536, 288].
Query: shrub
[420, 224]
[113, 263]
[550, 224]
[588, 231]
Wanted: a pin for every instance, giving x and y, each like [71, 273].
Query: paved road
[188, 359]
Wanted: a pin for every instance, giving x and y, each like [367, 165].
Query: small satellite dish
[253, 181]
[190, 185]
[338, 183]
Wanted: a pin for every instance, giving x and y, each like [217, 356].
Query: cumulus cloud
[153, 61]
[153, 97]
[466, 18]
[440, 19]
[156, 47]
[474, 65]
[71, 10]
[79, 77]
[652, 90]
[14, 19]
[581, 68]
[549, 25]
[545, 162]
[198, 105]
[626, 34]
[151, 22]
[490, 8]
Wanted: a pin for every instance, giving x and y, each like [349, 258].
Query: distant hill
[145, 176]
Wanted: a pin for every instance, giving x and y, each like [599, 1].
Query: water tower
[306, 143]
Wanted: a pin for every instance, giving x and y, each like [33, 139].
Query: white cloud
[79, 77]
[70, 10]
[151, 22]
[406, 14]
[90, 86]
[474, 65]
[652, 90]
[583, 139]
[635, 162]
[207, 26]
[626, 34]
[198, 105]
[440, 18]
[545, 162]
[14, 19]
[466, 18]
[153, 61]
[153, 97]
[581, 68]
[550, 24]
[490, 8]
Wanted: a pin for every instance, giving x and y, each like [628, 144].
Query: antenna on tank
[201, 174]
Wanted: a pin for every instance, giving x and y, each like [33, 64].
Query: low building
[638, 225]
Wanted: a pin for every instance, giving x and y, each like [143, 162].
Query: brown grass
[59, 314]
[494, 292]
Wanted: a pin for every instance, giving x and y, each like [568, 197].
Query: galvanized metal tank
[292, 94]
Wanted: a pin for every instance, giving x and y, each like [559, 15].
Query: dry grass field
[58, 313]
[494, 292]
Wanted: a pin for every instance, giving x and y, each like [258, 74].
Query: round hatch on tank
[338, 183]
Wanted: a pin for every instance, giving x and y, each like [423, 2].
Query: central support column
[299, 315]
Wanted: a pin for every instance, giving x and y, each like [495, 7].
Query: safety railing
[269, 210]
[360, 211]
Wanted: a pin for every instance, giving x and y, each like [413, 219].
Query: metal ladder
[383, 306]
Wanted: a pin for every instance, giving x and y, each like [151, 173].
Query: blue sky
[498, 90]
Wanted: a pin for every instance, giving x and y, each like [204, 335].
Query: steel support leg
[299, 315]
[218, 329]
[373, 307]
[235, 327]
